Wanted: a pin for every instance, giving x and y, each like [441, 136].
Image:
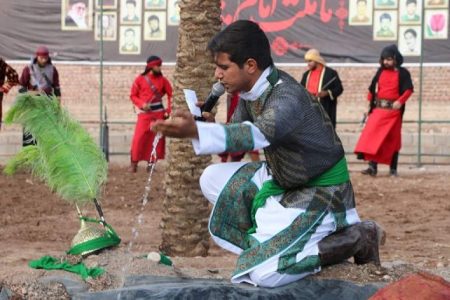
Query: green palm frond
[65, 156]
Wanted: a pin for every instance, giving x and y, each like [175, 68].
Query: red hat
[42, 51]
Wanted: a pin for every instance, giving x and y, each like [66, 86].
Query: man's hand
[181, 125]
[323, 94]
[397, 105]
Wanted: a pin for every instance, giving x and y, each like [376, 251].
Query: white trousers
[270, 219]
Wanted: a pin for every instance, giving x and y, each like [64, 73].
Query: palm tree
[185, 212]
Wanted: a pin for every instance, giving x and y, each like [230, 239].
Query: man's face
[154, 24]
[105, 21]
[385, 24]
[389, 63]
[233, 78]
[312, 65]
[131, 10]
[410, 40]
[361, 8]
[79, 8]
[411, 9]
[129, 37]
[42, 60]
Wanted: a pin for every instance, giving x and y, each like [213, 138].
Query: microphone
[217, 90]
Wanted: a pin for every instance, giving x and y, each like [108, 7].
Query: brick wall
[80, 94]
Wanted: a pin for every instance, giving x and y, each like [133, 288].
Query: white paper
[191, 99]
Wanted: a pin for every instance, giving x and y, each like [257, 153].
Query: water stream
[139, 219]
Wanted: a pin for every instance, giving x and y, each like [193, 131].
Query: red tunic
[314, 81]
[381, 137]
[142, 93]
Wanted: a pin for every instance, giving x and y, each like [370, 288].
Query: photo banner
[344, 31]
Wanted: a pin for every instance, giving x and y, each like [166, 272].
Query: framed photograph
[109, 23]
[360, 12]
[107, 4]
[409, 40]
[130, 40]
[155, 26]
[436, 3]
[173, 12]
[436, 24]
[410, 11]
[76, 15]
[131, 12]
[386, 4]
[155, 4]
[385, 25]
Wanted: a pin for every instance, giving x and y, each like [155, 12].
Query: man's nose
[218, 73]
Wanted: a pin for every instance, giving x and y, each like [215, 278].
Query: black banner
[342, 30]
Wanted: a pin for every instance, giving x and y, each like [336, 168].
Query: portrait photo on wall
[109, 22]
[107, 4]
[385, 25]
[155, 4]
[360, 12]
[436, 3]
[409, 40]
[130, 40]
[130, 11]
[386, 4]
[76, 15]
[410, 11]
[155, 26]
[173, 12]
[436, 24]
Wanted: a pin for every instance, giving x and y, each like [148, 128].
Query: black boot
[393, 166]
[371, 170]
[360, 240]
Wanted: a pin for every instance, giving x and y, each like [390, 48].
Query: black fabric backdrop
[291, 25]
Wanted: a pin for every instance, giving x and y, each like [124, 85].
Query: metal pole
[419, 135]
[101, 76]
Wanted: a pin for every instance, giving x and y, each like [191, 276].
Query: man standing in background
[322, 82]
[40, 77]
[146, 94]
[391, 87]
[12, 79]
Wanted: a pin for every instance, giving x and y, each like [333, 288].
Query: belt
[383, 103]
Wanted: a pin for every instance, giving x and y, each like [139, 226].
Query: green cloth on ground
[51, 263]
[338, 174]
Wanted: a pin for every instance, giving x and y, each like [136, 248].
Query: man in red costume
[146, 94]
[380, 141]
[12, 79]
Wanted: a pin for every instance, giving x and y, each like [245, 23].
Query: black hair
[242, 40]
[391, 51]
[129, 30]
[131, 1]
[385, 16]
[149, 59]
[410, 30]
[153, 17]
[411, 1]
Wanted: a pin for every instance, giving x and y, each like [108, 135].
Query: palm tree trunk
[185, 212]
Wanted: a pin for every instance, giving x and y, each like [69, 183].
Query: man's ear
[251, 66]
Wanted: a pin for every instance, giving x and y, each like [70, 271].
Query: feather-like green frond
[66, 156]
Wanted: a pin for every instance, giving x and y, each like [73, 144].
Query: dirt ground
[413, 208]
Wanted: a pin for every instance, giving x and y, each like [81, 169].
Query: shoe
[360, 241]
[393, 173]
[133, 167]
[369, 171]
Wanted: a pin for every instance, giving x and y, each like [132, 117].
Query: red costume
[380, 141]
[12, 79]
[146, 94]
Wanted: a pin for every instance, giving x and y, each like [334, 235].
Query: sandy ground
[413, 209]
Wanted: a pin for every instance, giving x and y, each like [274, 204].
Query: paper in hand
[191, 99]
